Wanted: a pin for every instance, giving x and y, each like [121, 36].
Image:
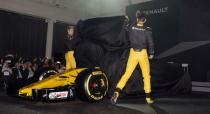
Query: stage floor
[195, 103]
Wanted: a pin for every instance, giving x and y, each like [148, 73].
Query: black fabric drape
[104, 44]
[22, 35]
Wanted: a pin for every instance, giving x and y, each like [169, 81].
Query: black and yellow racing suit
[70, 44]
[141, 42]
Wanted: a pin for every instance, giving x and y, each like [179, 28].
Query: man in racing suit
[70, 42]
[141, 42]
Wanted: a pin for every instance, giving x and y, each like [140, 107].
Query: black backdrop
[22, 35]
[58, 49]
[183, 21]
[195, 24]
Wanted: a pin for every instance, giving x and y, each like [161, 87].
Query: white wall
[35, 9]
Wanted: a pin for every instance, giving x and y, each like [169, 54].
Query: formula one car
[89, 84]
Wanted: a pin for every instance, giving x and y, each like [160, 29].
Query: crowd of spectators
[20, 71]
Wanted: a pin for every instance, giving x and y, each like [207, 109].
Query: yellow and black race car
[89, 84]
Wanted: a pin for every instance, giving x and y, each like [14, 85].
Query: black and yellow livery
[88, 84]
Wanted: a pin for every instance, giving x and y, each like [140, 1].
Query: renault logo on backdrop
[156, 11]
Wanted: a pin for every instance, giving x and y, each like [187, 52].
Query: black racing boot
[149, 99]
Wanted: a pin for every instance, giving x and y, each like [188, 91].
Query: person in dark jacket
[70, 42]
[141, 50]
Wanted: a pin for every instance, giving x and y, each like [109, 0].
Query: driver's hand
[126, 17]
